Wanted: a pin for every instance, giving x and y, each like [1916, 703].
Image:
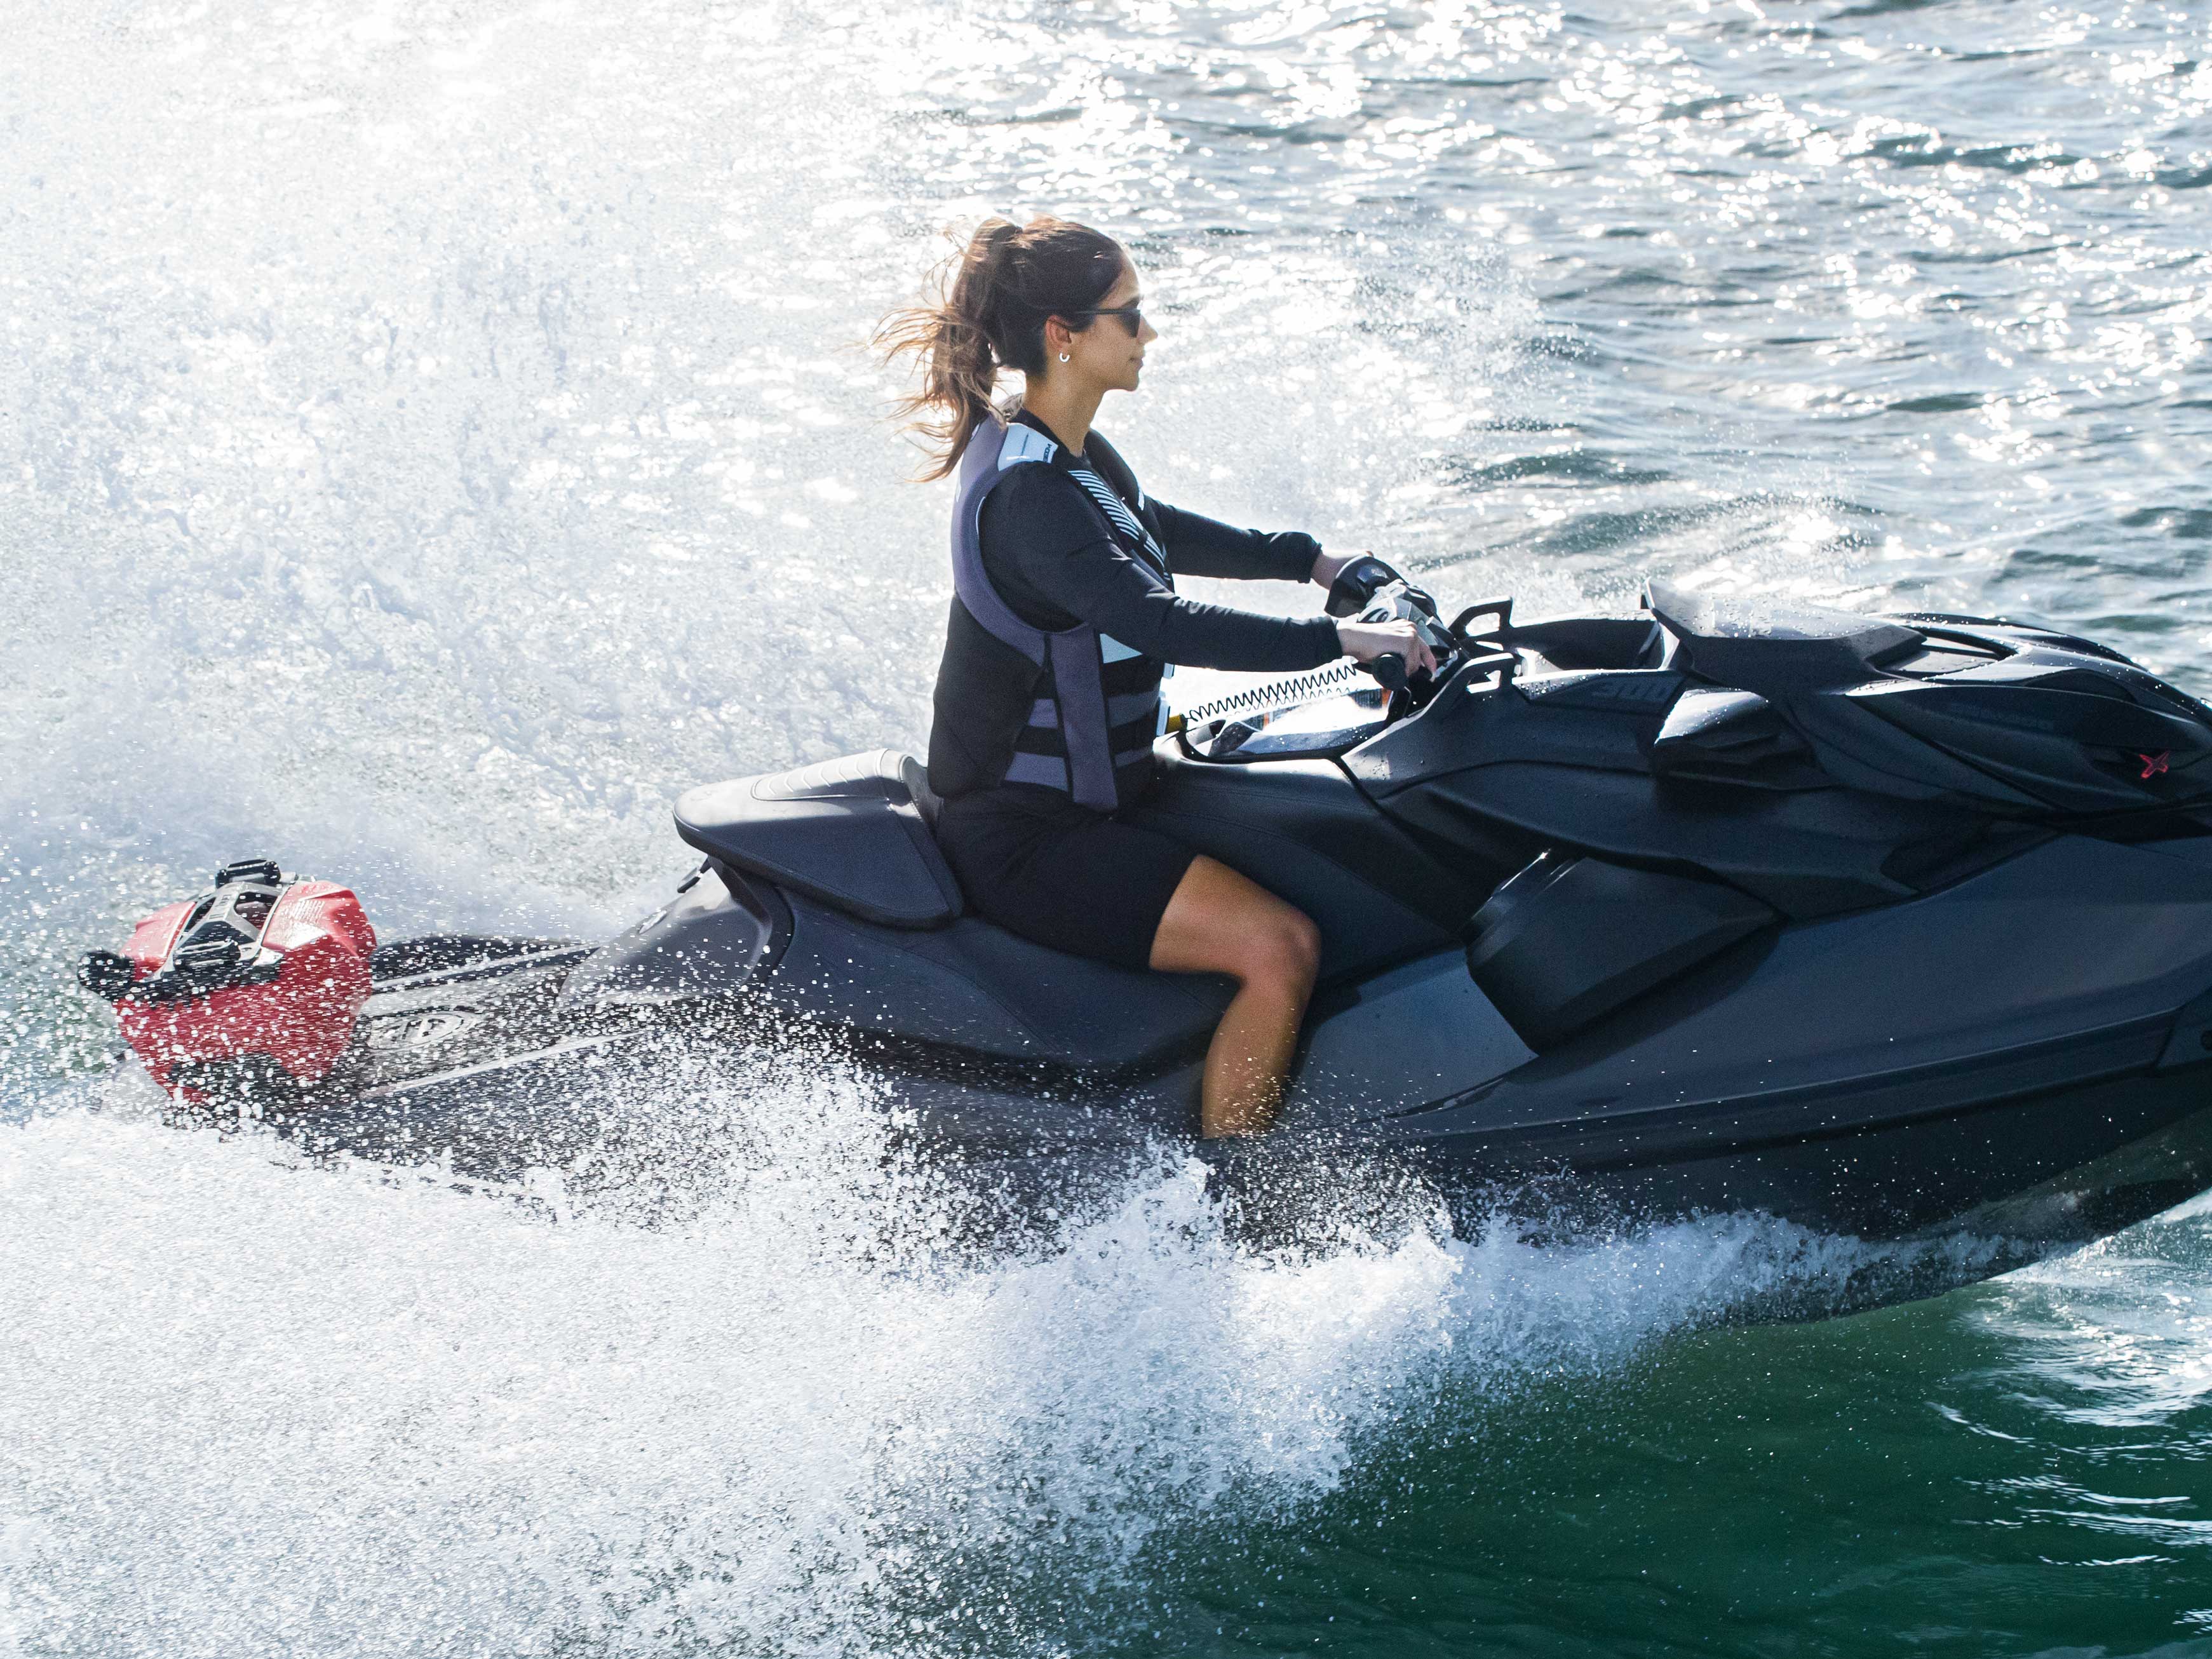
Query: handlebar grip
[1390, 669]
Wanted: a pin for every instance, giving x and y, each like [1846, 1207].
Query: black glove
[1356, 583]
[1361, 580]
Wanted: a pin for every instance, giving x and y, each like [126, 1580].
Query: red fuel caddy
[259, 980]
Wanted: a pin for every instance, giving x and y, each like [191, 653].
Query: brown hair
[996, 294]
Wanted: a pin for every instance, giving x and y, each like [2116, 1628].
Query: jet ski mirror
[1501, 609]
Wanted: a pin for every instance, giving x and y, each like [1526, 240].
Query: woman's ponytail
[995, 296]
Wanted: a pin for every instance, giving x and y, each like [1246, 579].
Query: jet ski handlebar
[1374, 592]
[1453, 644]
[1400, 601]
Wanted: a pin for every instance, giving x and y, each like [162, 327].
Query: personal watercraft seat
[854, 833]
[853, 836]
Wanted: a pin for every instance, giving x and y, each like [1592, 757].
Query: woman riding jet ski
[1065, 618]
[1890, 925]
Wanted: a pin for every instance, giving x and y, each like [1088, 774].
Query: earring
[1063, 357]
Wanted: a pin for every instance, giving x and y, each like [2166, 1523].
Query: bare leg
[1218, 922]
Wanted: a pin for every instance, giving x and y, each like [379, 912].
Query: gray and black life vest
[1074, 710]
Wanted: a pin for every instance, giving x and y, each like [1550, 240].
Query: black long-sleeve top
[1049, 556]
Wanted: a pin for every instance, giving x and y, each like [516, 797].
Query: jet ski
[1891, 926]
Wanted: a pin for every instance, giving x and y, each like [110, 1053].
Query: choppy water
[431, 435]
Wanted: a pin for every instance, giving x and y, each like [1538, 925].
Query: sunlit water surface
[433, 436]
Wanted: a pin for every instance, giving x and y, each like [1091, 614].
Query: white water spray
[433, 436]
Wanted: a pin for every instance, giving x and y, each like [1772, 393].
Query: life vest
[1074, 710]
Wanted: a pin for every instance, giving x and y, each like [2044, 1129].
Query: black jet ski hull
[1893, 927]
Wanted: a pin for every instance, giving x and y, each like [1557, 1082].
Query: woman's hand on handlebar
[1364, 641]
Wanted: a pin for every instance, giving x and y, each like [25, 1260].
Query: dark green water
[431, 435]
[2014, 1469]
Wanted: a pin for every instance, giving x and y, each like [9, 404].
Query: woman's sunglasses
[1132, 316]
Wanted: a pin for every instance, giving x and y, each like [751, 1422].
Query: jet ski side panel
[1419, 1032]
[2045, 1169]
[2059, 973]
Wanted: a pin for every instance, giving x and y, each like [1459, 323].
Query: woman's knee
[1282, 951]
[1304, 943]
[1219, 922]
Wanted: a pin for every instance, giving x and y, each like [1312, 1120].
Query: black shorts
[1082, 881]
